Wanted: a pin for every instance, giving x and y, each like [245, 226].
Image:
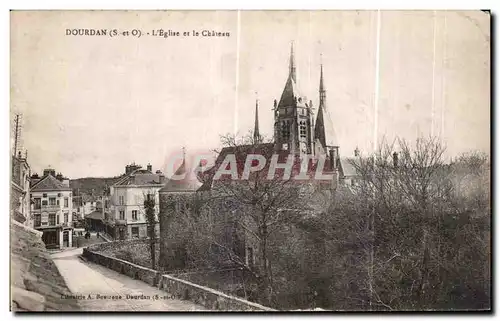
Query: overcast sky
[91, 105]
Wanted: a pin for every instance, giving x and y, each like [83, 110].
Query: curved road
[84, 278]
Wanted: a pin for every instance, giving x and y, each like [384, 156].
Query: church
[299, 130]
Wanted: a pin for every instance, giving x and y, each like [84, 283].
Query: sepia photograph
[250, 160]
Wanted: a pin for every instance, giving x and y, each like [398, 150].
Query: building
[127, 218]
[176, 197]
[20, 190]
[84, 204]
[96, 220]
[299, 131]
[51, 206]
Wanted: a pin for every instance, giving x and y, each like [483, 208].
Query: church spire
[292, 65]
[322, 90]
[256, 133]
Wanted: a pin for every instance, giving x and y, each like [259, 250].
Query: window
[303, 130]
[44, 195]
[57, 202]
[44, 202]
[52, 219]
[52, 201]
[38, 220]
[285, 129]
[57, 219]
[121, 200]
[135, 232]
[38, 203]
[78, 210]
[134, 215]
[65, 217]
[59, 194]
[66, 202]
[122, 215]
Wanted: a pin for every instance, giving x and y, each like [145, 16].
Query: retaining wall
[177, 288]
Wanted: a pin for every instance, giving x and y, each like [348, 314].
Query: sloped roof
[323, 129]
[95, 215]
[186, 184]
[291, 95]
[140, 177]
[348, 168]
[241, 152]
[49, 183]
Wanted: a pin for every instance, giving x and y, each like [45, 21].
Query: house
[95, 220]
[127, 216]
[20, 190]
[51, 206]
[84, 203]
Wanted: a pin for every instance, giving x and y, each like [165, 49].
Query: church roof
[348, 169]
[49, 183]
[189, 183]
[291, 95]
[323, 129]
[265, 149]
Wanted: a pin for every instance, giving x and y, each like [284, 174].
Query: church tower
[292, 117]
[324, 134]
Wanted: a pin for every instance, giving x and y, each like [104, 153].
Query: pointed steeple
[323, 130]
[292, 65]
[256, 133]
[322, 90]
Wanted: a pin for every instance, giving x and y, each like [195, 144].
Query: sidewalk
[102, 289]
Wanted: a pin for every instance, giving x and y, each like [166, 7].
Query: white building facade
[127, 202]
[51, 209]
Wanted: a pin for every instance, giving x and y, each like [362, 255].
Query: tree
[149, 207]
[250, 211]
[407, 238]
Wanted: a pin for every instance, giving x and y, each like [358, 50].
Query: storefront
[57, 237]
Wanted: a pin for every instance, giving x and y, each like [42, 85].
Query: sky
[91, 105]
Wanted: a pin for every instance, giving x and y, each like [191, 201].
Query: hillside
[36, 284]
[96, 184]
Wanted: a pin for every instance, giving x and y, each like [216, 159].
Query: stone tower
[293, 117]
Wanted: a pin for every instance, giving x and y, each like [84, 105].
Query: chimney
[395, 159]
[49, 171]
[149, 167]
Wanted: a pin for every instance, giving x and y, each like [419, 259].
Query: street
[85, 278]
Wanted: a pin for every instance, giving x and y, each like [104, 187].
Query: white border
[184, 4]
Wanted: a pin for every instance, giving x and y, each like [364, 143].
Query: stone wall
[209, 298]
[129, 269]
[176, 287]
